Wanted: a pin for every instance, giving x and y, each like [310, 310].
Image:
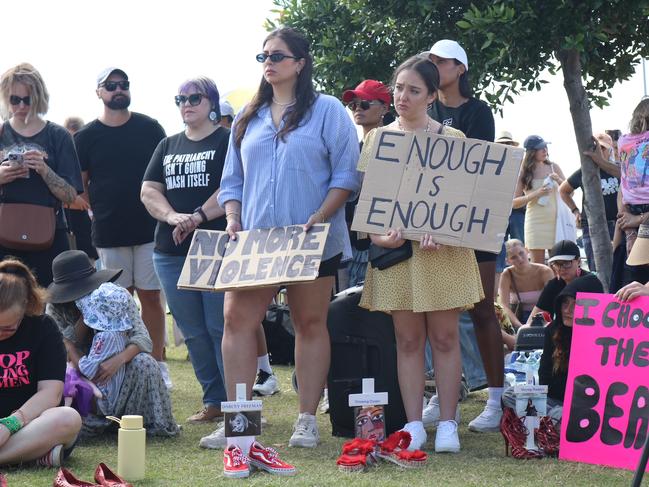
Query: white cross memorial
[364, 402]
[241, 418]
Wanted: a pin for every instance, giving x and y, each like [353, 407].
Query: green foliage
[510, 42]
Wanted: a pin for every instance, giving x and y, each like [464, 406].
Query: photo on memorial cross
[257, 258]
[459, 190]
[606, 407]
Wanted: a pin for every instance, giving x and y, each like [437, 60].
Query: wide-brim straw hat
[639, 254]
[75, 276]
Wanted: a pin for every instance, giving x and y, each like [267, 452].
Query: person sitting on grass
[33, 424]
[553, 370]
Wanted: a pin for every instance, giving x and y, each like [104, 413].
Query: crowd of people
[129, 198]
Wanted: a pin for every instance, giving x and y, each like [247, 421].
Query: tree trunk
[591, 185]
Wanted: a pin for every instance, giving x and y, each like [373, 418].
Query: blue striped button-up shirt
[282, 183]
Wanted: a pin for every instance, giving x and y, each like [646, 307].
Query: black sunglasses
[193, 99]
[363, 104]
[275, 58]
[15, 100]
[124, 85]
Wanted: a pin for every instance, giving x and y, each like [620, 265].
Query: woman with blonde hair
[537, 188]
[39, 163]
[521, 283]
[33, 424]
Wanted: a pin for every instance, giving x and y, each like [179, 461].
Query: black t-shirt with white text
[56, 143]
[191, 173]
[115, 159]
[473, 118]
[34, 353]
[610, 186]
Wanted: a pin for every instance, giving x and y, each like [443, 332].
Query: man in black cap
[114, 151]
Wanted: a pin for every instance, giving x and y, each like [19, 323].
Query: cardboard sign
[458, 190]
[606, 407]
[257, 258]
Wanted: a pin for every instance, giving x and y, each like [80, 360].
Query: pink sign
[606, 408]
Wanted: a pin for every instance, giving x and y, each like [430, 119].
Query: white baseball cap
[226, 108]
[107, 72]
[449, 49]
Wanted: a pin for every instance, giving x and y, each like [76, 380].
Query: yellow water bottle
[131, 447]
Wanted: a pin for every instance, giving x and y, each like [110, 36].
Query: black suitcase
[280, 336]
[362, 345]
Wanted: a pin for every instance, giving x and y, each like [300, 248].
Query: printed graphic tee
[55, 142]
[191, 173]
[115, 159]
[634, 157]
[610, 186]
[34, 353]
[473, 117]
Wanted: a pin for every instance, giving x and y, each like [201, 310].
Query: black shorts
[481, 256]
[329, 267]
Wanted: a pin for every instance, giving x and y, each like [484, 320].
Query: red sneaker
[235, 463]
[266, 459]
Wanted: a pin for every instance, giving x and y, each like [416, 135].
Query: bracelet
[575, 209]
[202, 214]
[12, 423]
[323, 218]
[232, 213]
[23, 420]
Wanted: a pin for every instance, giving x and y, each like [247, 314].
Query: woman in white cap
[537, 189]
[456, 107]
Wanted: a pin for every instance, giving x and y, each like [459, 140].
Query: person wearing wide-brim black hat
[565, 261]
[75, 277]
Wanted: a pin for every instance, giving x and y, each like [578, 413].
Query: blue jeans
[516, 229]
[588, 245]
[199, 315]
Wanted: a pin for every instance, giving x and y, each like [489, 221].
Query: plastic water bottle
[131, 447]
[548, 182]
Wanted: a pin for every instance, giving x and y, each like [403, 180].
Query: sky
[160, 44]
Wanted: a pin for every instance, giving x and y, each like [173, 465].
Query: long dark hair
[424, 67]
[464, 84]
[561, 356]
[305, 95]
[527, 171]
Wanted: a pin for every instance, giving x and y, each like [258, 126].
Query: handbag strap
[511, 276]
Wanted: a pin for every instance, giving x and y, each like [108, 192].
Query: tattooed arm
[61, 189]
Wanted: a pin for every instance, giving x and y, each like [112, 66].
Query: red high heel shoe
[65, 478]
[357, 455]
[105, 476]
[395, 449]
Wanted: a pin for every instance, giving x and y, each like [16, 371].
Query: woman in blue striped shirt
[291, 160]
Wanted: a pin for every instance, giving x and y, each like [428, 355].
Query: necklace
[292, 102]
[401, 126]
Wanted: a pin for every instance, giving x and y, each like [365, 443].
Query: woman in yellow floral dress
[425, 293]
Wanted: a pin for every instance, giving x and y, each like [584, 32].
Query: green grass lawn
[180, 462]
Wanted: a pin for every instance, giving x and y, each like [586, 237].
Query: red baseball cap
[369, 89]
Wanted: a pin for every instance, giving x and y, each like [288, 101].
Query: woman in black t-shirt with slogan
[32, 371]
[179, 190]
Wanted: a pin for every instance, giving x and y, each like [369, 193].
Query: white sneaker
[446, 439]
[430, 414]
[418, 436]
[487, 421]
[305, 433]
[266, 384]
[215, 440]
[164, 370]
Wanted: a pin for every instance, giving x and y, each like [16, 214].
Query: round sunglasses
[193, 99]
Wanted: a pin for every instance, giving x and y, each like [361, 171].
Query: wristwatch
[575, 209]
[202, 214]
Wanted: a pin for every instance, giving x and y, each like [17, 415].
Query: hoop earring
[212, 115]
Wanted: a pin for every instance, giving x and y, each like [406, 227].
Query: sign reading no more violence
[459, 190]
[257, 258]
[606, 408]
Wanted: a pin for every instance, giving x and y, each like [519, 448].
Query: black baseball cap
[564, 250]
